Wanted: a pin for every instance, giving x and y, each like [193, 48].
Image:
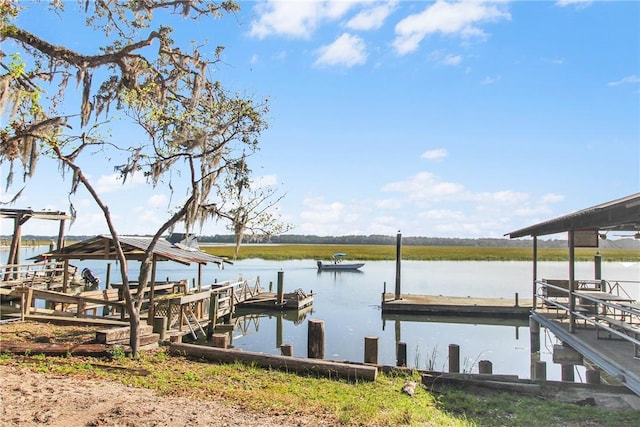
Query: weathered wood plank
[106, 336]
[54, 349]
[295, 364]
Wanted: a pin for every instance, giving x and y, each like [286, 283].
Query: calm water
[349, 304]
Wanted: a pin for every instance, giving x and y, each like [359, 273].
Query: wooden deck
[456, 306]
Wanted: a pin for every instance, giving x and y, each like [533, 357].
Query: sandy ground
[37, 399]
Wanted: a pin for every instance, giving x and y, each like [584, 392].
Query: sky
[443, 119]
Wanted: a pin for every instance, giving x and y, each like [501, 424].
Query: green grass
[336, 401]
[418, 253]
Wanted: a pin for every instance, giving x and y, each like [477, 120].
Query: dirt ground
[36, 399]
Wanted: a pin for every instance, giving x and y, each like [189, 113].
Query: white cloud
[371, 18]
[551, 198]
[347, 50]
[157, 200]
[331, 218]
[452, 59]
[295, 18]
[113, 182]
[489, 80]
[425, 186]
[626, 80]
[437, 154]
[445, 58]
[460, 18]
[298, 19]
[317, 211]
[579, 3]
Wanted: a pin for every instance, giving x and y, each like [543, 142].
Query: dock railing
[47, 275]
[605, 305]
[209, 304]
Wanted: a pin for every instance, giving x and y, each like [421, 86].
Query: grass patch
[339, 402]
[418, 253]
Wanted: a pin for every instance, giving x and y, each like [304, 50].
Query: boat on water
[337, 263]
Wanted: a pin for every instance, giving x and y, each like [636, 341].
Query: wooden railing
[64, 304]
[216, 302]
[48, 275]
[616, 314]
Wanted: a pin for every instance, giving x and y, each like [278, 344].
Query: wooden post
[454, 358]
[485, 367]
[371, 350]
[597, 261]
[22, 306]
[152, 293]
[534, 333]
[213, 314]
[315, 339]
[535, 269]
[220, 340]
[280, 299]
[593, 376]
[65, 273]
[398, 263]
[401, 354]
[160, 327]
[568, 373]
[541, 371]
[384, 291]
[286, 349]
[572, 282]
[108, 278]
[517, 304]
[14, 250]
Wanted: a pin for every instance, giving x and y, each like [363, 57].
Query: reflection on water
[349, 304]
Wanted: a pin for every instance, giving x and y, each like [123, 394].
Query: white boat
[337, 263]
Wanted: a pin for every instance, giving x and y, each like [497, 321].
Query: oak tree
[196, 138]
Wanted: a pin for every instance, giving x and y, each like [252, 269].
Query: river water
[349, 304]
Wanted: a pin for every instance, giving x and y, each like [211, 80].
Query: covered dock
[597, 317]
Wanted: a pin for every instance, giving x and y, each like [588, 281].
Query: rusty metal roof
[102, 247]
[620, 214]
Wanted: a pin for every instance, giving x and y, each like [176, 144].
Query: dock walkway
[461, 306]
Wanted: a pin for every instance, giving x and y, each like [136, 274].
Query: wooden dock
[410, 304]
[295, 300]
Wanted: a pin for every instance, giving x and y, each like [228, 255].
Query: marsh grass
[418, 253]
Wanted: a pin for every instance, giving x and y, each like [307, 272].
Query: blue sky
[445, 119]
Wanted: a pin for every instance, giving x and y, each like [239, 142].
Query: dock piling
[454, 358]
[220, 340]
[160, 326]
[567, 374]
[593, 376]
[280, 287]
[401, 354]
[541, 371]
[371, 350]
[286, 349]
[315, 339]
[485, 367]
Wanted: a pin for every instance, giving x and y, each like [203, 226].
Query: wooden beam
[292, 364]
